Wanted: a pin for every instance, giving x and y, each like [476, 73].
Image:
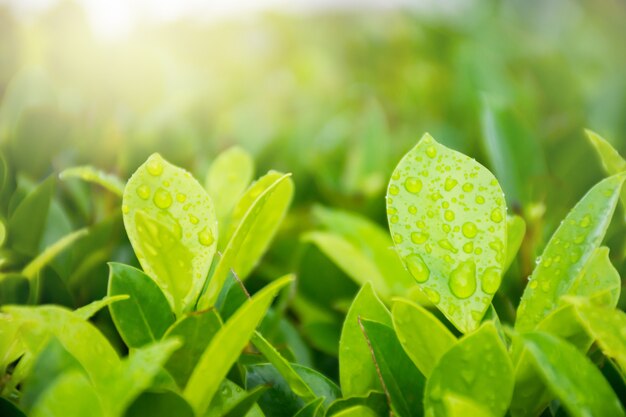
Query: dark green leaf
[159, 404]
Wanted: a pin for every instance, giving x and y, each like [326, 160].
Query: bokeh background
[334, 92]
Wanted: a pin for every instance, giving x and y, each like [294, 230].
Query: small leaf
[612, 162]
[171, 223]
[91, 174]
[226, 346]
[357, 372]
[569, 249]
[424, 338]
[313, 409]
[447, 216]
[196, 330]
[227, 179]
[403, 382]
[572, 377]
[32, 269]
[265, 208]
[88, 311]
[146, 315]
[516, 230]
[477, 367]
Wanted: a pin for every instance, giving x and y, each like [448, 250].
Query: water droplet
[496, 215]
[545, 286]
[467, 187]
[468, 247]
[421, 224]
[480, 199]
[205, 237]
[431, 151]
[445, 244]
[397, 238]
[586, 221]
[432, 295]
[419, 237]
[143, 191]
[155, 165]
[394, 219]
[533, 284]
[469, 230]
[413, 210]
[436, 196]
[181, 197]
[463, 280]
[125, 209]
[445, 204]
[193, 219]
[417, 268]
[450, 184]
[446, 228]
[491, 280]
[391, 210]
[162, 198]
[478, 251]
[449, 215]
[413, 185]
[393, 189]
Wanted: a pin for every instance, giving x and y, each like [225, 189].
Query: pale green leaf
[447, 216]
[516, 230]
[87, 311]
[91, 174]
[356, 411]
[567, 252]
[44, 258]
[459, 406]
[71, 395]
[171, 223]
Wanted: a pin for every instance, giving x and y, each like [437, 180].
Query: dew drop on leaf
[205, 237]
[155, 165]
[419, 237]
[496, 215]
[394, 190]
[463, 280]
[162, 198]
[417, 268]
[413, 185]
[181, 198]
[491, 280]
[125, 209]
[469, 230]
[143, 191]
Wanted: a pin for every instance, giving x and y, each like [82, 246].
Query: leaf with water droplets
[146, 315]
[567, 252]
[357, 373]
[477, 367]
[96, 176]
[572, 377]
[254, 232]
[171, 223]
[447, 217]
[424, 338]
[226, 346]
[227, 179]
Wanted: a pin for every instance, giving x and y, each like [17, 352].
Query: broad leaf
[227, 179]
[146, 315]
[196, 330]
[171, 223]
[572, 377]
[96, 176]
[424, 338]
[357, 373]
[477, 367]
[403, 381]
[265, 208]
[567, 252]
[226, 345]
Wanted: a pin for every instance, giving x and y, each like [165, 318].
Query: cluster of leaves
[422, 336]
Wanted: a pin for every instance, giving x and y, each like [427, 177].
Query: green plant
[425, 339]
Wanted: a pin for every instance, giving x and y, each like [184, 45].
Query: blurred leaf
[477, 367]
[569, 249]
[196, 330]
[94, 175]
[226, 345]
[572, 377]
[171, 223]
[459, 406]
[227, 179]
[356, 411]
[457, 252]
[231, 396]
[14, 289]
[243, 406]
[516, 230]
[424, 338]
[159, 404]
[8, 409]
[146, 315]
[32, 269]
[612, 162]
[357, 373]
[376, 401]
[403, 381]
[88, 311]
[265, 208]
[312, 409]
[71, 395]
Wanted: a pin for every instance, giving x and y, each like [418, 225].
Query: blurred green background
[334, 96]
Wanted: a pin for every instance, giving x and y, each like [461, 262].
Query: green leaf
[477, 367]
[356, 411]
[403, 381]
[516, 230]
[608, 327]
[14, 289]
[357, 372]
[71, 395]
[159, 404]
[447, 216]
[32, 269]
[265, 208]
[424, 338]
[146, 315]
[231, 396]
[91, 174]
[226, 346]
[8, 409]
[88, 311]
[26, 224]
[376, 401]
[572, 377]
[245, 404]
[227, 179]
[612, 162]
[196, 330]
[459, 406]
[10, 344]
[297, 385]
[313, 409]
[280, 400]
[171, 223]
[567, 252]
